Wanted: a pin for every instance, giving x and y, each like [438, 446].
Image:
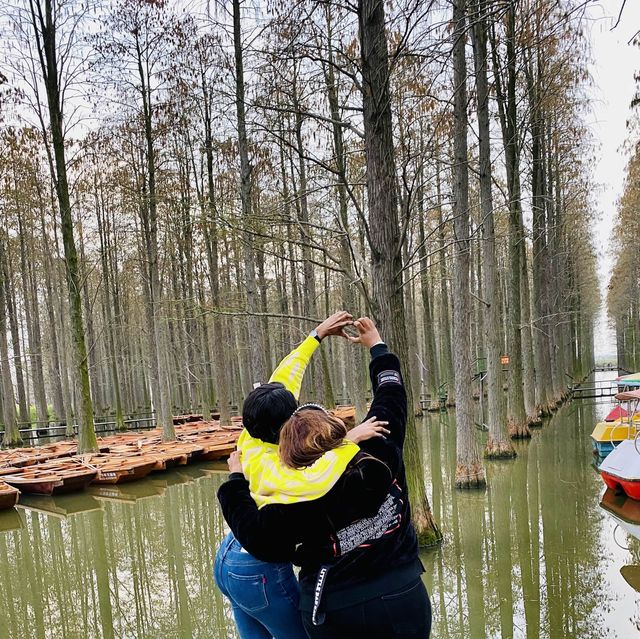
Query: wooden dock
[595, 390]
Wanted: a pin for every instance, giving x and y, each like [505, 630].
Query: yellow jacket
[270, 481]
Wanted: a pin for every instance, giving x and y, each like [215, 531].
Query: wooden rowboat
[165, 454]
[8, 496]
[37, 482]
[184, 419]
[214, 445]
[50, 478]
[170, 454]
[29, 456]
[118, 469]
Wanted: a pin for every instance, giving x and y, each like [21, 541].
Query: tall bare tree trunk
[356, 376]
[221, 372]
[430, 350]
[67, 377]
[446, 362]
[498, 442]
[508, 119]
[559, 268]
[45, 32]
[302, 206]
[92, 342]
[528, 365]
[385, 241]
[15, 339]
[158, 325]
[108, 311]
[469, 470]
[11, 435]
[32, 319]
[540, 292]
[258, 370]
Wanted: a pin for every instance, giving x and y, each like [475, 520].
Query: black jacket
[361, 528]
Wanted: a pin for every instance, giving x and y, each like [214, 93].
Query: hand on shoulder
[367, 430]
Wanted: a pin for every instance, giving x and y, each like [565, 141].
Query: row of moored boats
[616, 443]
[58, 468]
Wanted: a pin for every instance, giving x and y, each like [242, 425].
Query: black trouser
[404, 613]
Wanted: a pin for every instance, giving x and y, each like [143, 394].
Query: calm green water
[532, 556]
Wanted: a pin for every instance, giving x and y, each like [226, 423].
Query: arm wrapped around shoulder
[262, 532]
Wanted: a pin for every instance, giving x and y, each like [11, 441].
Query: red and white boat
[621, 469]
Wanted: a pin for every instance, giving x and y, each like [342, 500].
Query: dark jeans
[400, 614]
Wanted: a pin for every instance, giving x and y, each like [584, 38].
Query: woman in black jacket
[356, 546]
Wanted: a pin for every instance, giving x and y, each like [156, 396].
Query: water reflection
[531, 556]
[134, 561]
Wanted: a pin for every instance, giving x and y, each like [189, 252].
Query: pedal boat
[607, 435]
[618, 426]
[621, 469]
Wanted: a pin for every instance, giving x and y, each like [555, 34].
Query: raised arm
[290, 371]
[389, 395]
[269, 480]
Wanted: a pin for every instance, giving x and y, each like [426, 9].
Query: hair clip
[312, 406]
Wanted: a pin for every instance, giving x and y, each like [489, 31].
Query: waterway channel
[532, 556]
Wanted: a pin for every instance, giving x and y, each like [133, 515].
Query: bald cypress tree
[384, 238]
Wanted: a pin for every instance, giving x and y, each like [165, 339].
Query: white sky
[613, 68]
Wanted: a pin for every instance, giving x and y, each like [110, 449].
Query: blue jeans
[264, 596]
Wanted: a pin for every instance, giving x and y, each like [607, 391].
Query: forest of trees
[186, 188]
[623, 299]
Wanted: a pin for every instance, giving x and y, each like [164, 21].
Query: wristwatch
[314, 333]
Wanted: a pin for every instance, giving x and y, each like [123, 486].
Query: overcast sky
[614, 64]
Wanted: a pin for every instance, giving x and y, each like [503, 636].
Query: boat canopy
[628, 396]
[616, 414]
[629, 380]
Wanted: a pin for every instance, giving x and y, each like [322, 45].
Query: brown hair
[307, 435]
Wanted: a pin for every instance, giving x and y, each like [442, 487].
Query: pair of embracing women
[304, 491]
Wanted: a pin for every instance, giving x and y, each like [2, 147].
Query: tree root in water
[496, 449]
[534, 421]
[470, 476]
[427, 529]
[518, 430]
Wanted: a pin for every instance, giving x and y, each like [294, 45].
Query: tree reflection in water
[531, 556]
[140, 565]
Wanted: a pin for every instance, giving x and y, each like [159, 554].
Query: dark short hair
[266, 409]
